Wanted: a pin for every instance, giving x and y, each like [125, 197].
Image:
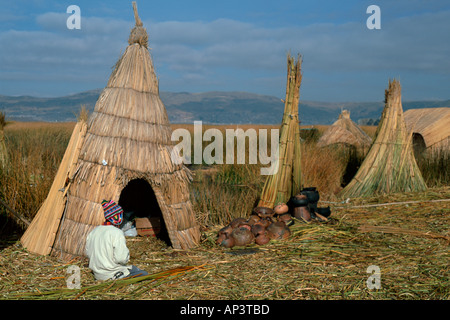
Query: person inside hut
[106, 247]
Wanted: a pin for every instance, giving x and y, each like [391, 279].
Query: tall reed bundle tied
[390, 165]
[287, 181]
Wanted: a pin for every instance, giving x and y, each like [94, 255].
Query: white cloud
[207, 52]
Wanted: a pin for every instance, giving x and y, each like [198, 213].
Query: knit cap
[113, 212]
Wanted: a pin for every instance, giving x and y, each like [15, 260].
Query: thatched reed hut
[430, 129]
[124, 155]
[287, 181]
[389, 166]
[345, 132]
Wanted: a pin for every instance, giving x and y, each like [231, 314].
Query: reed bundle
[287, 181]
[389, 166]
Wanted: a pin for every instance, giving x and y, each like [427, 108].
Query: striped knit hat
[113, 212]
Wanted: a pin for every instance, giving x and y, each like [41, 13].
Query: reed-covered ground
[407, 240]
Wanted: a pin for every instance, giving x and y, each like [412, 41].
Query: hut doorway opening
[138, 200]
[419, 145]
[354, 161]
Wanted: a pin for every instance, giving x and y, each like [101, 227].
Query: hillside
[209, 107]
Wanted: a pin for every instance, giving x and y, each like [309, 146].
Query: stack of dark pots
[265, 224]
[303, 205]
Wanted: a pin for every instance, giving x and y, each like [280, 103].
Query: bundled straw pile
[128, 137]
[287, 181]
[390, 165]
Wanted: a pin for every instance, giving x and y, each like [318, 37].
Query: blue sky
[200, 46]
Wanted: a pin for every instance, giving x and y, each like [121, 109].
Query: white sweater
[107, 251]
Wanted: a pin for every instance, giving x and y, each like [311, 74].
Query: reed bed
[34, 153]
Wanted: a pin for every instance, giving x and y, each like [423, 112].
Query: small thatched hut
[345, 132]
[430, 129]
[389, 166]
[124, 155]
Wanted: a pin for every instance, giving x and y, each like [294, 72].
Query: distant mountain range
[213, 107]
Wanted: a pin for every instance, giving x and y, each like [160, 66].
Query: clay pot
[264, 222]
[225, 230]
[313, 197]
[252, 219]
[285, 217]
[242, 236]
[278, 230]
[236, 222]
[325, 212]
[220, 238]
[245, 225]
[228, 242]
[264, 212]
[311, 193]
[281, 208]
[262, 239]
[302, 213]
[300, 200]
[258, 229]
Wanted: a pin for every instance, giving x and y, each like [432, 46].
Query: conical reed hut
[389, 166]
[287, 181]
[124, 156]
[345, 132]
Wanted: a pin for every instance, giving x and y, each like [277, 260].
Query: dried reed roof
[433, 124]
[389, 166]
[345, 131]
[128, 137]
